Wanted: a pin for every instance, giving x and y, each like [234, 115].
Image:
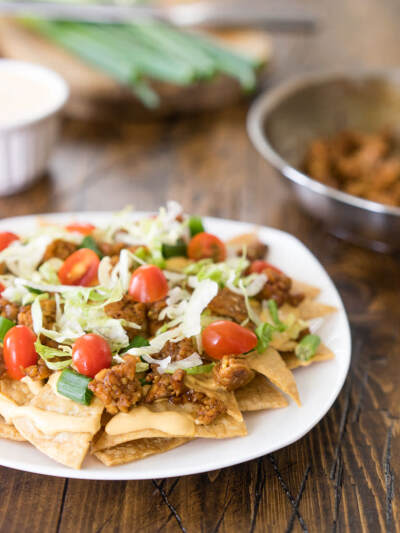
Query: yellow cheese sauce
[171, 422]
[49, 422]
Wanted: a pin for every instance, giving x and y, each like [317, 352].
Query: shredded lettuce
[47, 354]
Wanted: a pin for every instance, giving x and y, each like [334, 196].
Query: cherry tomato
[148, 284]
[19, 350]
[80, 268]
[6, 238]
[225, 338]
[205, 245]
[90, 354]
[259, 266]
[81, 227]
[2, 287]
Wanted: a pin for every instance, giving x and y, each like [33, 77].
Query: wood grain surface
[344, 476]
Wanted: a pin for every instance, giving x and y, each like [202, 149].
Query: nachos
[131, 339]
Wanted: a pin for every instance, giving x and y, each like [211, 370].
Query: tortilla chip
[15, 390]
[309, 291]
[258, 395]
[323, 353]
[230, 424]
[177, 264]
[206, 383]
[271, 365]
[138, 449]
[109, 441]
[224, 427]
[65, 447]
[9, 431]
[307, 309]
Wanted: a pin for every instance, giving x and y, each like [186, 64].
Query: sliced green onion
[136, 342]
[273, 311]
[264, 334]
[307, 347]
[142, 367]
[201, 369]
[74, 386]
[89, 242]
[174, 250]
[195, 226]
[142, 253]
[5, 325]
[33, 291]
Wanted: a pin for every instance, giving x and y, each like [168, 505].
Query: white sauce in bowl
[28, 92]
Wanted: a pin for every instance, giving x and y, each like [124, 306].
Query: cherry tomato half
[80, 268]
[205, 245]
[6, 238]
[259, 266]
[19, 350]
[148, 284]
[225, 338]
[90, 354]
[81, 227]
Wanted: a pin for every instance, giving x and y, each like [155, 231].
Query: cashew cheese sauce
[24, 95]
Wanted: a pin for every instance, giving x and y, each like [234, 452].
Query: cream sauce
[171, 422]
[49, 422]
[23, 97]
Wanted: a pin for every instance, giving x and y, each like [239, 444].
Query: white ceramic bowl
[26, 142]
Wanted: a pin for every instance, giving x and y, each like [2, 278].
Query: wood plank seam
[342, 428]
[389, 480]
[298, 498]
[63, 498]
[338, 491]
[286, 490]
[169, 505]
[221, 518]
[259, 487]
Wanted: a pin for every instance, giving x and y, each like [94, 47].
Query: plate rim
[58, 470]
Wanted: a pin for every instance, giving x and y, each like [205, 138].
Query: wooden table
[344, 475]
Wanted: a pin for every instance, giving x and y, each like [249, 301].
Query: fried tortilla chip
[307, 309]
[138, 449]
[164, 419]
[17, 393]
[310, 292]
[258, 395]
[9, 431]
[323, 353]
[206, 384]
[65, 446]
[272, 366]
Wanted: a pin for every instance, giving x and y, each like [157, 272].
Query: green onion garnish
[201, 369]
[89, 242]
[174, 250]
[264, 335]
[33, 291]
[195, 226]
[5, 325]
[307, 347]
[74, 386]
[136, 342]
[273, 311]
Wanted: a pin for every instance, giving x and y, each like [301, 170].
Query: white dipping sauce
[25, 93]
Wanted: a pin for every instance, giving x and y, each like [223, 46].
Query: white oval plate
[268, 431]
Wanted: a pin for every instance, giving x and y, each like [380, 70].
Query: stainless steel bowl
[282, 122]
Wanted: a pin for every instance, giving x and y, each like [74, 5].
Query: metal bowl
[282, 122]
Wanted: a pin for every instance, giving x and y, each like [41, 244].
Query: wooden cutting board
[94, 95]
